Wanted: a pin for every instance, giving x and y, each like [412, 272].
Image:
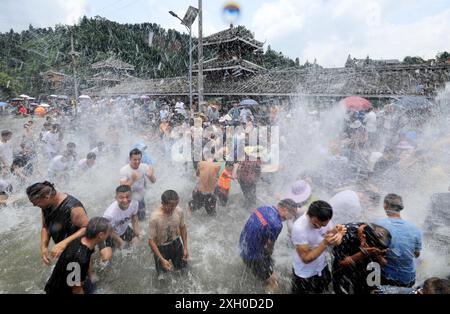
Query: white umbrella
[54, 96]
[84, 97]
[24, 96]
[44, 105]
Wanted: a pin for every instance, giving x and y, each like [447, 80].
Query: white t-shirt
[245, 114]
[120, 219]
[51, 142]
[179, 107]
[371, 122]
[58, 165]
[138, 187]
[6, 152]
[83, 166]
[346, 207]
[304, 233]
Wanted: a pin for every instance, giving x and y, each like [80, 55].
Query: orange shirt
[225, 180]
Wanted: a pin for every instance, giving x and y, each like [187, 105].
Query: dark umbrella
[63, 97]
[16, 99]
[355, 103]
[410, 103]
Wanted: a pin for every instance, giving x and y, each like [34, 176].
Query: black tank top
[58, 221]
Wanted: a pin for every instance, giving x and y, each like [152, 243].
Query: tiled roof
[231, 34]
[314, 81]
[114, 63]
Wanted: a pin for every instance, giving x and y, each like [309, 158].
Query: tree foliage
[25, 55]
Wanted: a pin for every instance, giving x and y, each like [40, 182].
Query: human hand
[44, 256]
[185, 254]
[167, 265]
[373, 251]
[57, 250]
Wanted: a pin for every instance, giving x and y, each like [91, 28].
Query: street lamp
[187, 21]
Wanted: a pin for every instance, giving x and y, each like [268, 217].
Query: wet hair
[229, 164]
[91, 156]
[135, 151]
[6, 132]
[40, 190]
[71, 145]
[169, 195]
[47, 124]
[289, 204]
[377, 236]
[321, 210]
[97, 225]
[394, 202]
[435, 285]
[123, 189]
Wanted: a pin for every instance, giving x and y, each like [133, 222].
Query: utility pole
[200, 56]
[74, 54]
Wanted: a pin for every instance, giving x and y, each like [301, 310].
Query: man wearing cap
[258, 238]
[405, 246]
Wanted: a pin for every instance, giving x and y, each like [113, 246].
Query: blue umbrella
[248, 102]
[3, 104]
[413, 103]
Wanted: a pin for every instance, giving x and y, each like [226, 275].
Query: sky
[326, 30]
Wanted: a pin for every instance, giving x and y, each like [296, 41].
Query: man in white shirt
[59, 167]
[245, 115]
[179, 107]
[134, 175]
[312, 234]
[52, 142]
[120, 214]
[86, 164]
[370, 121]
[6, 151]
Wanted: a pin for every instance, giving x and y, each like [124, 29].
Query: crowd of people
[334, 249]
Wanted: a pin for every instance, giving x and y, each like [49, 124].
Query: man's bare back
[207, 171]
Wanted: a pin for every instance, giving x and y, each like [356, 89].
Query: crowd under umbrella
[356, 103]
[412, 103]
[248, 102]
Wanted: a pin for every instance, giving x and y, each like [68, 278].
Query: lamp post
[187, 21]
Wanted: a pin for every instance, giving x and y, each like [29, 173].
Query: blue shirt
[258, 230]
[406, 239]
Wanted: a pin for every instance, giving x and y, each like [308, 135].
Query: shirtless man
[203, 194]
